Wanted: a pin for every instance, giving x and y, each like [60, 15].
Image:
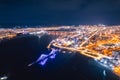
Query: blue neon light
[43, 62]
[44, 58]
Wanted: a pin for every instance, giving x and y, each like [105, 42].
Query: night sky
[60, 12]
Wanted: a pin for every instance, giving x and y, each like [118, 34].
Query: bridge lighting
[43, 62]
[45, 57]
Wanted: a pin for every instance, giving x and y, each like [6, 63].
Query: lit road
[83, 51]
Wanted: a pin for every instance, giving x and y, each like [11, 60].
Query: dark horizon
[59, 12]
[24, 25]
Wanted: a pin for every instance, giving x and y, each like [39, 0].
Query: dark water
[17, 53]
